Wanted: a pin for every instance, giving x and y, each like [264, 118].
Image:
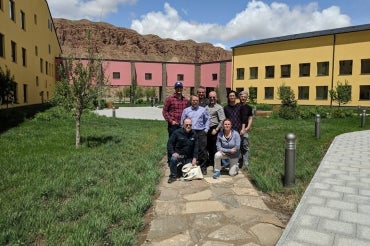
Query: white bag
[191, 172]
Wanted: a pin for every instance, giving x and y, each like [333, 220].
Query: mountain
[119, 43]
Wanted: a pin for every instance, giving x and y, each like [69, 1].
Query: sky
[223, 23]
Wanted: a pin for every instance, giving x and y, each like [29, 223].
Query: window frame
[240, 73]
[270, 72]
[365, 66]
[180, 77]
[13, 46]
[303, 93]
[23, 20]
[285, 70]
[24, 57]
[2, 45]
[304, 69]
[148, 76]
[116, 75]
[325, 95]
[214, 77]
[268, 94]
[345, 65]
[364, 95]
[253, 72]
[12, 10]
[323, 68]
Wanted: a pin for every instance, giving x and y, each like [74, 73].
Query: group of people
[202, 132]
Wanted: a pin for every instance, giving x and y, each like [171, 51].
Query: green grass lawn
[55, 194]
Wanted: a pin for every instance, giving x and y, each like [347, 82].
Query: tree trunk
[78, 124]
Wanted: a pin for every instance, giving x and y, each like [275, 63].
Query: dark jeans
[171, 129]
[211, 146]
[176, 166]
[202, 149]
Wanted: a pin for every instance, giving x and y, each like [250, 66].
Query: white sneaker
[234, 170]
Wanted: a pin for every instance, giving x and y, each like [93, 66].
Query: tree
[252, 95]
[342, 93]
[79, 85]
[288, 109]
[8, 87]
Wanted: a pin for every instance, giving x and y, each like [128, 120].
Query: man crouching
[182, 146]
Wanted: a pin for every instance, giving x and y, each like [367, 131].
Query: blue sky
[223, 23]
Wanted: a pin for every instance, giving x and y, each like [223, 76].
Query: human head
[243, 96]
[212, 96]
[178, 87]
[187, 124]
[201, 92]
[227, 124]
[231, 96]
[194, 100]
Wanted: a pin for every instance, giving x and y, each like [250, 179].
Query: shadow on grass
[93, 141]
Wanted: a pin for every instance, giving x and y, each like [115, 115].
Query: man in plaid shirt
[173, 107]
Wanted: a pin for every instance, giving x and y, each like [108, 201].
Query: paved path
[335, 209]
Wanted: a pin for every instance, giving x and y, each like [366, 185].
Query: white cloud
[257, 20]
[85, 9]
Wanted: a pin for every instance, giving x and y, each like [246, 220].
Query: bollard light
[363, 118]
[113, 112]
[290, 146]
[317, 126]
[254, 111]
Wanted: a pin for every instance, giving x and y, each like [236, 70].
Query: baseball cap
[178, 85]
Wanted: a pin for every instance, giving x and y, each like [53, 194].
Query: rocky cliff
[113, 42]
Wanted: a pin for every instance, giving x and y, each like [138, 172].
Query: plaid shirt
[173, 107]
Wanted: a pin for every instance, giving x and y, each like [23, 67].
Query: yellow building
[310, 63]
[28, 47]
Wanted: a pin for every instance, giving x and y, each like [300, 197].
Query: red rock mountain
[113, 42]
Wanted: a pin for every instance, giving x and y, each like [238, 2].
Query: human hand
[176, 155]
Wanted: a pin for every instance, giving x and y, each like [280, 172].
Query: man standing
[201, 92]
[183, 148]
[217, 116]
[237, 114]
[244, 145]
[173, 107]
[200, 118]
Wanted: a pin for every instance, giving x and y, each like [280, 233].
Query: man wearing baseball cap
[173, 107]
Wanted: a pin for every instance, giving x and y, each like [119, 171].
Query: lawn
[55, 194]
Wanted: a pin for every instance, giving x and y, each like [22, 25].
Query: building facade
[28, 47]
[311, 64]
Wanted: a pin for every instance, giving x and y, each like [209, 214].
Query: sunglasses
[188, 125]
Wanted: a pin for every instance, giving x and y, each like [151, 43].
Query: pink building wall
[188, 70]
[206, 72]
[123, 67]
[155, 69]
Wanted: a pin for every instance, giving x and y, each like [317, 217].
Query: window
[304, 69]
[46, 67]
[36, 51]
[345, 67]
[269, 72]
[253, 72]
[321, 92]
[35, 19]
[23, 20]
[11, 10]
[25, 93]
[41, 65]
[322, 68]
[2, 45]
[364, 92]
[24, 57]
[49, 48]
[365, 66]
[180, 77]
[148, 76]
[238, 90]
[14, 51]
[37, 81]
[285, 71]
[269, 92]
[214, 76]
[116, 75]
[303, 92]
[1, 4]
[240, 73]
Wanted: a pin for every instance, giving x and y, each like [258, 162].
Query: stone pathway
[227, 211]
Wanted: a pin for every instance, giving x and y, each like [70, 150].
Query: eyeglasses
[187, 125]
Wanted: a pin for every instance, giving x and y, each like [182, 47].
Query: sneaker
[216, 174]
[204, 171]
[234, 170]
[171, 179]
